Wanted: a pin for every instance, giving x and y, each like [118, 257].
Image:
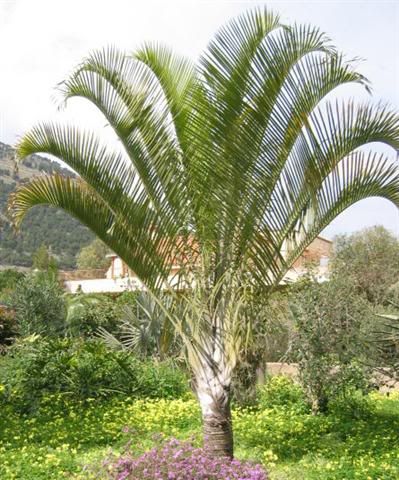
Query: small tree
[329, 340]
[93, 256]
[39, 305]
[44, 261]
[371, 258]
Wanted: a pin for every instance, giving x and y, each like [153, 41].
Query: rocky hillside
[50, 226]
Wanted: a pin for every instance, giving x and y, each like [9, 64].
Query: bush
[9, 278]
[86, 313]
[78, 369]
[330, 341]
[353, 405]
[179, 460]
[8, 327]
[39, 305]
[281, 391]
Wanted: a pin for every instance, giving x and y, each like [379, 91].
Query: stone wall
[92, 274]
[384, 383]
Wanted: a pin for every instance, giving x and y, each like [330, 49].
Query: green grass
[62, 437]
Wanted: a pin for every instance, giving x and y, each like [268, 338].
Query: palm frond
[176, 76]
[130, 97]
[139, 248]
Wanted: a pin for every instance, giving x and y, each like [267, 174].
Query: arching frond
[358, 176]
[176, 76]
[132, 100]
[331, 135]
[130, 238]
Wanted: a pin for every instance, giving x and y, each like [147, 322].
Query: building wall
[316, 253]
[118, 278]
[103, 285]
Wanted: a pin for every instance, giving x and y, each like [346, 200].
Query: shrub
[177, 460]
[8, 327]
[353, 405]
[78, 369]
[39, 305]
[86, 314]
[9, 278]
[330, 341]
[281, 391]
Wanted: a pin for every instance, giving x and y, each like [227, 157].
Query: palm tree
[229, 167]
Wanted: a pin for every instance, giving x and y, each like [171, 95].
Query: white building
[119, 278]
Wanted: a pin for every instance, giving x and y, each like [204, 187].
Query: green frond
[131, 98]
[130, 238]
[331, 135]
[106, 171]
[247, 125]
[358, 176]
[176, 76]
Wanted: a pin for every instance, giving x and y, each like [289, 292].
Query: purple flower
[176, 460]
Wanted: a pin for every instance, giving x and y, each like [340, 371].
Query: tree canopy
[371, 258]
[93, 256]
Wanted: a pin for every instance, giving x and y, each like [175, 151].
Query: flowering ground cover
[66, 439]
[178, 460]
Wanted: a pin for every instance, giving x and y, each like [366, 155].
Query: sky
[42, 40]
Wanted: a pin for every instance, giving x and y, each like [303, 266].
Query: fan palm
[229, 167]
[145, 329]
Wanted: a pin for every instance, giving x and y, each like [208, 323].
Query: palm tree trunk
[214, 399]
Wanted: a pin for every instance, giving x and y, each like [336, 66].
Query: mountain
[43, 225]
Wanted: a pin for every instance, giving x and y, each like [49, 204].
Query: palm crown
[241, 152]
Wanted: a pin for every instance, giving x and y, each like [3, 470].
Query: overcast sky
[42, 40]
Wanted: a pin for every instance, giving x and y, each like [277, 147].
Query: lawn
[60, 439]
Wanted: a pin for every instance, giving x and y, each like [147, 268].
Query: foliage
[44, 261]
[281, 391]
[386, 335]
[330, 341]
[224, 165]
[371, 258]
[353, 405]
[93, 256]
[8, 327]
[87, 313]
[90, 314]
[63, 436]
[143, 328]
[267, 341]
[179, 460]
[39, 305]
[9, 278]
[35, 367]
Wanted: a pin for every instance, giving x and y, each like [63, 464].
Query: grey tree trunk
[214, 398]
[218, 433]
